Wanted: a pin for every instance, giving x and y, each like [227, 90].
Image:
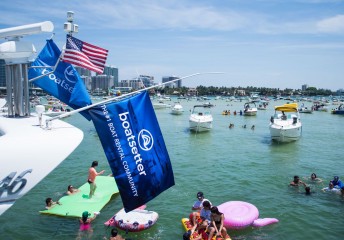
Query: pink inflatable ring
[238, 214]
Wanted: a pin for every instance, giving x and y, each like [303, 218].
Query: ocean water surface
[238, 164]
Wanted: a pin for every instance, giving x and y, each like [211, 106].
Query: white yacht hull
[200, 123]
[29, 153]
[285, 132]
[250, 112]
[177, 109]
[161, 105]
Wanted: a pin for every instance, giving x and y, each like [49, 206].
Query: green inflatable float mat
[74, 205]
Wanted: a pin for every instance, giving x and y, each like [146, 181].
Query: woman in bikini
[216, 225]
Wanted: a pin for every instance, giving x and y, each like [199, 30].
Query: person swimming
[337, 183]
[297, 182]
[314, 178]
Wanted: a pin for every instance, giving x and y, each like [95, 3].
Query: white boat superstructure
[29, 150]
[177, 109]
[201, 119]
[285, 125]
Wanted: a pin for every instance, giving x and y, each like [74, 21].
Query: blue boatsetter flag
[64, 83]
[134, 146]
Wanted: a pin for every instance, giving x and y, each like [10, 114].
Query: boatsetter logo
[145, 140]
[63, 84]
[123, 117]
[69, 73]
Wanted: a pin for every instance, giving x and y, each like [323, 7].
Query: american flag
[84, 55]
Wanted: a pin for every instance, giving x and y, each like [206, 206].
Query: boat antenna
[124, 95]
[70, 28]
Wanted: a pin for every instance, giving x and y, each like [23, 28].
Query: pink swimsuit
[85, 226]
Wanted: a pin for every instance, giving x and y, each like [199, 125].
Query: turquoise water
[226, 164]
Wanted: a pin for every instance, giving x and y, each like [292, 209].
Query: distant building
[102, 83]
[304, 87]
[133, 83]
[147, 81]
[177, 84]
[240, 92]
[83, 71]
[340, 92]
[107, 80]
[111, 71]
[192, 92]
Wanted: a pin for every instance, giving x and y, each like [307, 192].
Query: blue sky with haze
[262, 43]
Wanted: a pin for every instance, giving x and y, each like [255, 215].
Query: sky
[260, 43]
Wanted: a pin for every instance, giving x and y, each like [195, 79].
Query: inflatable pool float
[133, 221]
[187, 227]
[261, 222]
[238, 214]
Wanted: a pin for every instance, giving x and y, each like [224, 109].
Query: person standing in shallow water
[92, 174]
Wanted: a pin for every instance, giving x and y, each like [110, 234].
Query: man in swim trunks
[92, 174]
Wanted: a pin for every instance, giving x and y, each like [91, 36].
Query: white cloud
[331, 25]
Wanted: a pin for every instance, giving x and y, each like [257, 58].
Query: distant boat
[200, 119]
[338, 110]
[160, 105]
[250, 109]
[286, 128]
[305, 110]
[177, 109]
[262, 105]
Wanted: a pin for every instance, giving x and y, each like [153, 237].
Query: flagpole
[54, 68]
[124, 95]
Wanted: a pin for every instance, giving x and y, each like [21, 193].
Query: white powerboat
[177, 109]
[250, 109]
[29, 150]
[160, 105]
[201, 119]
[305, 110]
[286, 128]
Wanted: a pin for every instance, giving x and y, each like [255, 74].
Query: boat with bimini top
[250, 109]
[285, 128]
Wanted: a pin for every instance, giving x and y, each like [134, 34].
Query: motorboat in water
[160, 105]
[177, 109]
[250, 109]
[262, 106]
[286, 127]
[305, 110]
[338, 110]
[29, 148]
[201, 119]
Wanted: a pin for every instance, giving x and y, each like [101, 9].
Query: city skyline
[263, 43]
